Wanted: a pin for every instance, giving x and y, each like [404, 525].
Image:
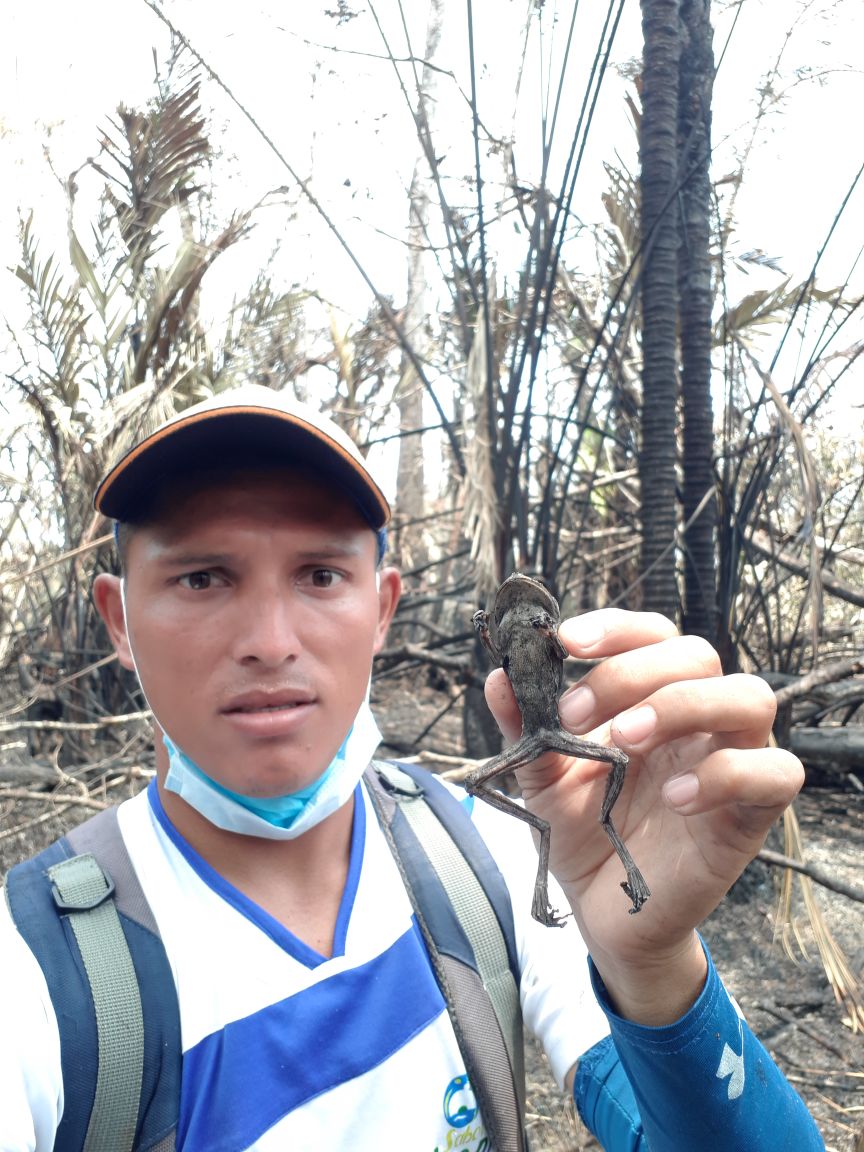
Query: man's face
[253, 612]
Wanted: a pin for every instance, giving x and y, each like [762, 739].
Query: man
[251, 602]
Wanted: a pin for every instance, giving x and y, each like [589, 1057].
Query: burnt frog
[521, 634]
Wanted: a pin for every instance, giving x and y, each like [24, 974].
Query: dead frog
[521, 634]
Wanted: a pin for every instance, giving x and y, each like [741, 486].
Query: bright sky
[340, 119]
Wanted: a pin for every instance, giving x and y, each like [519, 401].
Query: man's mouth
[263, 703]
[266, 708]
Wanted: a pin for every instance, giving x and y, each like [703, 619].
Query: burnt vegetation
[531, 389]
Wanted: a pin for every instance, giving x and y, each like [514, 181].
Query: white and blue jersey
[284, 1047]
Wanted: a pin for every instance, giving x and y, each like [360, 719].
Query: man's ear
[389, 591]
[109, 603]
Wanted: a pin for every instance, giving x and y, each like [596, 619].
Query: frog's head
[518, 590]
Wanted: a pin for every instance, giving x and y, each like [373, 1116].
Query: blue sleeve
[703, 1082]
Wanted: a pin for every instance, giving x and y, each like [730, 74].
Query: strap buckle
[79, 884]
[395, 781]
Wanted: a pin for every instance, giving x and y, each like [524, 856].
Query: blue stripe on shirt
[239, 1082]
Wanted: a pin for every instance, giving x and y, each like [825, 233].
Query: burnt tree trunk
[658, 153]
[696, 75]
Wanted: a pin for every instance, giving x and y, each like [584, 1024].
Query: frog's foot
[636, 888]
[543, 911]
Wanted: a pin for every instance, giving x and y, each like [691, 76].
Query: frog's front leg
[480, 620]
[547, 626]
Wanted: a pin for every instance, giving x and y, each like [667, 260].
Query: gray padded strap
[166, 1144]
[483, 1050]
[478, 921]
[101, 835]
[82, 890]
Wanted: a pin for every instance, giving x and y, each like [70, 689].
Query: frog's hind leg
[477, 784]
[561, 741]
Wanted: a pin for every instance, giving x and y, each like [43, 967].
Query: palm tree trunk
[694, 137]
[659, 177]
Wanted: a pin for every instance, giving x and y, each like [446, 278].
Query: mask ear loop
[129, 642]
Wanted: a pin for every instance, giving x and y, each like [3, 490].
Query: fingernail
[681, 790]
[584, 631]
[635, 726]
[577, 705]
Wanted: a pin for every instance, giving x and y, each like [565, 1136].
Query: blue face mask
[280, 811]
[279, 817]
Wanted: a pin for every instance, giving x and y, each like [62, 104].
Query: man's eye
[325, 577]
[196, 581]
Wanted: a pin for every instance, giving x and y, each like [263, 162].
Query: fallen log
[762, 544]
[13, 772]
[820, 875]
[842, 748]
[828, 673]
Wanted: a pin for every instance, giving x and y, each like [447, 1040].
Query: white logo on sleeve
[732, 1065]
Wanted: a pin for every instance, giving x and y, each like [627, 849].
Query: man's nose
[266, 632]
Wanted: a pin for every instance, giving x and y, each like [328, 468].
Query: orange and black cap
[248, 424]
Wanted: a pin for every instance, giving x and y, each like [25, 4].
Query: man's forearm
[703, 1081]
[659, 991]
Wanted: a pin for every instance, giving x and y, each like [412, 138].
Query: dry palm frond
[764, 307]
[113, 341]
[810, 489]
[58, 322]
[171, 317]
[14, 577]
[151, 159]
[264, 339]
[846, 987]
[622, 207]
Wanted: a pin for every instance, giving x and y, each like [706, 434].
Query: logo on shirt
[732, 1065]
[460, 1107]
[461, 1112]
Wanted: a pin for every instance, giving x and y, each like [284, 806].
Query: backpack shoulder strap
[81, 910]
[463, 909]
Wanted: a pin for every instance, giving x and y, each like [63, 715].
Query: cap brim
[227, 436]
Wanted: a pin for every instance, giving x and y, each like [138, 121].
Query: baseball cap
[248, 424]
